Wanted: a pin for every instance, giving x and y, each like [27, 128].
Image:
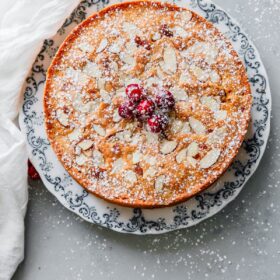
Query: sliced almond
[116, 117]
[75, 135]
[150, 159]
[176, 126]
[156, 36]
[200, 74]
[214, 76]
[153, 81]
[81, 159]
[197, 126]
[135, 139]
[118, 165]
[151, 138]
[131, 29]
[150, 172]
[128, 59]
[92, 70]
[62, 117]
[130, 176]
[210, 158]
[98, 159]
[115, 48]
[211, 102]
[88, 153]
[185, 78]
[85, 47]
[192, 149]
[86, 144]
[181, 156]
[106, 97]
[136, 157]
[159, 183]
[170, 59]
[187, 16]
[99, 130]
[186, 128]
[91, 106]
[124, 135]
[179, 94]
[220, 115]
[168, 147]
[103, 44]
[179, 31]
[190, 162]
[217, 136]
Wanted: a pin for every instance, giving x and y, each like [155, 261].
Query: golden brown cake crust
[118, 160]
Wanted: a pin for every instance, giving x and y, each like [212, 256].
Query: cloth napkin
[24, 24]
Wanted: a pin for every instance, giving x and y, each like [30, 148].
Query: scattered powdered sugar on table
[241, 242]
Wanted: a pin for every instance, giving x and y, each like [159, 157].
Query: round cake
[146, 104]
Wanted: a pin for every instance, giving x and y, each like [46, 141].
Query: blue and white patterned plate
[143, 221]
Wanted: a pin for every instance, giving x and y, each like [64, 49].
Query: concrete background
[241, 242]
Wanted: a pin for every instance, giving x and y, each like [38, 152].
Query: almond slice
[99, 130]
[200, 74]
[181, 156]
[190, 162]
[197, 126]
[116, 116]
[118, 165]
[115, 48]
[186, 128]
[170, 60]
[192, 149]
[136, 157]
[211, 102]
[85, 47]
[187, 16]
[168, 147]
[62, 117]
[217, 136]
[86, 144]
[130, 176]
[91, 106]
[151, 138]
[159, 183]
[103, 44]
[181, 32]
[221, 115]
[176, 126]
[106, 97]
[81, 159]
[98, 158]
[75, 135]
[210, 158]
[185, 78]
[92, 70]
[150, 159]
[179, 94]
[156, 36]
[150, 172]
[214, 76]
[124, 135]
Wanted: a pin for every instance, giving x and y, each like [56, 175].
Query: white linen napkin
[24, 24]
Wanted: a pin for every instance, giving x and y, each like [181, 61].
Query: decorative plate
[145, 221]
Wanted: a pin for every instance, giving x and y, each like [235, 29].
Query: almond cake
[146, 104]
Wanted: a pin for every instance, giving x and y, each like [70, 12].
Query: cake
[146, 104]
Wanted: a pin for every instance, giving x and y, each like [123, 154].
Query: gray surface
[241, 242]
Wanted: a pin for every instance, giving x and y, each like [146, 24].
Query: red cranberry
[144, 43]
[134, 92]
[165, 100]
[164, 30]
[145, 109]
[32, 172]
[126, 109]
[157, 123]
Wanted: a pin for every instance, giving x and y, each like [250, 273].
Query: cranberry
[164, 30]
[134, 92]
[126, 110]
[32, 172]
[165, 100]
[145, 109]
[157, 123]
[144, 43]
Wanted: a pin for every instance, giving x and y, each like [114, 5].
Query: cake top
[146, 104]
